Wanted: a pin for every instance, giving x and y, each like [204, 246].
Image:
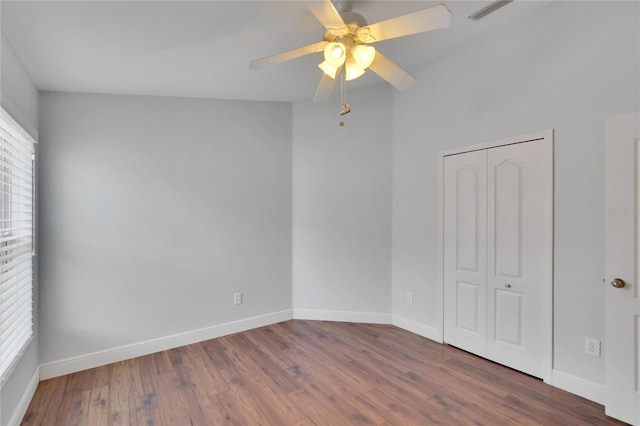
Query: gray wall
[154, 212]
[342, 204]
[17, 88]
[567, 67]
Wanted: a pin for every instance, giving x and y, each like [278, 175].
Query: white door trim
[531, 137]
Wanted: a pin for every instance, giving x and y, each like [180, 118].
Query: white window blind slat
[15, 281]
[11, 156]
[10, 310]
[11, 239]
[10, 325]
[11, 151]
[7, 192]
[16, 241]
[20, 216]
[14, 256]
[16, 181]
[7, 173]
[23, 257]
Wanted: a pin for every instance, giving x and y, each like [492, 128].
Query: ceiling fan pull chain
[345, 109]
[343, 92]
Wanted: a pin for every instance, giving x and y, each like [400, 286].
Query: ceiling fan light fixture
[363, 55]
[353, 70]
[335, 54]
[329, 69]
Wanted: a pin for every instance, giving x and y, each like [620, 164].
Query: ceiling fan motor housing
[352, 18]
[353, 22]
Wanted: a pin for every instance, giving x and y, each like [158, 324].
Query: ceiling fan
[346, 44]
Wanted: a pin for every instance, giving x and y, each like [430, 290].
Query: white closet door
[465, 242]
[519, 230]
[622, 265]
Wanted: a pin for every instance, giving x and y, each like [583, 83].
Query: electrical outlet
[409, 297]
[237, 298]
[592, 347]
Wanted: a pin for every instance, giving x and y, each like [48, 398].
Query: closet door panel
[519, 215]
[465, 257]
[508, 218]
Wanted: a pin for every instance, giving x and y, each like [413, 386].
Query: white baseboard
[97, 359]
[416, 327]
[342, 316]
[25, 400]
[578, 386]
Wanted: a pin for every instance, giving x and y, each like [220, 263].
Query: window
[16, 241]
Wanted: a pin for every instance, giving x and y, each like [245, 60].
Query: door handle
[618, 283]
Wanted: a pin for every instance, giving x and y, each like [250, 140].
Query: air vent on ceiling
[492, 7]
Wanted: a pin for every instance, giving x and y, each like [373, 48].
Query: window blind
[16, 241]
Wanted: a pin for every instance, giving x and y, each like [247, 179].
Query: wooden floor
[308, 372]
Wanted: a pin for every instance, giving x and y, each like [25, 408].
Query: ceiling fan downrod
[343, 5]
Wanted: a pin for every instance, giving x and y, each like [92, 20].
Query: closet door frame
[546, 135]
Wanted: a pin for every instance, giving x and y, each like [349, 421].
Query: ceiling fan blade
[326, 13]
[396, 76]
[288, 55]
[431, 18]
[325, 88]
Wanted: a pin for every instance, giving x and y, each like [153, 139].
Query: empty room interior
[323, 212]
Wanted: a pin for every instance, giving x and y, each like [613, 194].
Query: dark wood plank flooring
[308, 372]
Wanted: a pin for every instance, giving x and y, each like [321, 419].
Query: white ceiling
[203, 48]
